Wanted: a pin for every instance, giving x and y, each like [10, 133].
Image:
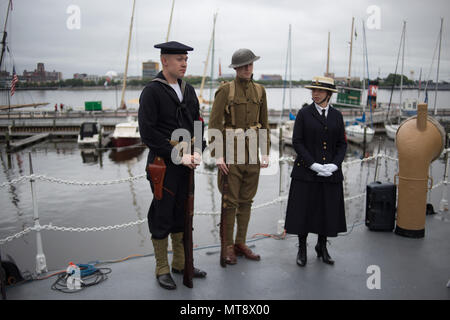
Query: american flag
[14, 80]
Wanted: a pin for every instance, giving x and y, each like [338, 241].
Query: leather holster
[157, 170]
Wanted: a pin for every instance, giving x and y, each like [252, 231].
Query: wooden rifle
[187, 237]
[223, 223]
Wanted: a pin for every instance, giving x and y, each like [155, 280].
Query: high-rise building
[150, 69]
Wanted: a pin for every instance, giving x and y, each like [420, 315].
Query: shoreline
[445, 87]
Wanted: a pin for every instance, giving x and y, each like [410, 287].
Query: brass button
[324, 158]
[324, 148]
[324, 142]
[298, 164]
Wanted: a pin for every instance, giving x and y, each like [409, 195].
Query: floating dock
[22, 143]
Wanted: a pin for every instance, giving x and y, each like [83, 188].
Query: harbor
[81, 221]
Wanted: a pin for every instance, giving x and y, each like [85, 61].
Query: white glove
[320, 169]
[317, 167]
[324, 174]
[330, 167]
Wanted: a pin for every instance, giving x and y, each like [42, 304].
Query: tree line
[196, 81]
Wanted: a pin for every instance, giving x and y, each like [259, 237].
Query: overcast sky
[38, 32]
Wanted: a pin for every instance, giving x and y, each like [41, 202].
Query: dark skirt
[315, 207]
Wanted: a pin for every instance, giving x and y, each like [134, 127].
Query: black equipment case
[381, 206]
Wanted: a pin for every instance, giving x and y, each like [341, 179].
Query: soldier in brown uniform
[238, 106]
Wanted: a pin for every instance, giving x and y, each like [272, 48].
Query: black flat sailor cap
[173, 47]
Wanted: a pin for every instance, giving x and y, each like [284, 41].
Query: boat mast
[4, 35]
[364, 70]
[351, 48]
[200, 96]
[420, 83]
[437, 75]
[403, 63]
[122, 102]
[170, 21]
[395, 75]
[328, 57]
[212, 61]
[285, 74]
[290, 70]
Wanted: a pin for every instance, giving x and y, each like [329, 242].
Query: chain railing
[50, 227]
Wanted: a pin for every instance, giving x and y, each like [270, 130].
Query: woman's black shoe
[301, 256]
[166, 281]
[322, 252]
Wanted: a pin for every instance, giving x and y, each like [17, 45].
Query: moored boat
[126, 134]
[89, 134]
[355, 133]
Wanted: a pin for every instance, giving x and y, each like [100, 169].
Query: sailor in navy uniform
[316, 198]
[168, 103]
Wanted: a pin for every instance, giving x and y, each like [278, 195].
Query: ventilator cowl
[420, 140]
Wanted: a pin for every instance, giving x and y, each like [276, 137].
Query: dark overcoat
[315, 203]
[160, 113]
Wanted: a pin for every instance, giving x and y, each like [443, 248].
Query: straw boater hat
[323, 83]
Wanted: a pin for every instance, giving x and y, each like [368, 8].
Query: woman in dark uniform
[316, 198]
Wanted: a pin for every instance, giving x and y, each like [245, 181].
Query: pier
[67, 124]
[22, 143]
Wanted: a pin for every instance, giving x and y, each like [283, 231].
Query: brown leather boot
[230, 255]
[242, 250]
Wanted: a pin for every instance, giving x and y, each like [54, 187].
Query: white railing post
[443, 206]
[41, 263]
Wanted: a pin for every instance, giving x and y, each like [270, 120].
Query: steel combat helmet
[242, 57]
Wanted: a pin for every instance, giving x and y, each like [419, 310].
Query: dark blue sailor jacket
[316, 140]
[161, 112]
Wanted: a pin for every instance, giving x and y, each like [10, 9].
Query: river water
[78, 206]
[110, 97]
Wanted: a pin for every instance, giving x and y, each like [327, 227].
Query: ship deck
[408, 269]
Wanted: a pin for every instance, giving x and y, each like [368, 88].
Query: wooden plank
[15, 106]
[27, 141]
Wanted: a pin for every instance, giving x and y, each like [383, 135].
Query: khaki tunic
[249, 112]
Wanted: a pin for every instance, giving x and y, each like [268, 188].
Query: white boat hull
[391, 130]
[355, 134]
[89, 141]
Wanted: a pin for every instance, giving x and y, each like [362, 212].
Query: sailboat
[348, 96]
[357, 132]
[126, 133]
